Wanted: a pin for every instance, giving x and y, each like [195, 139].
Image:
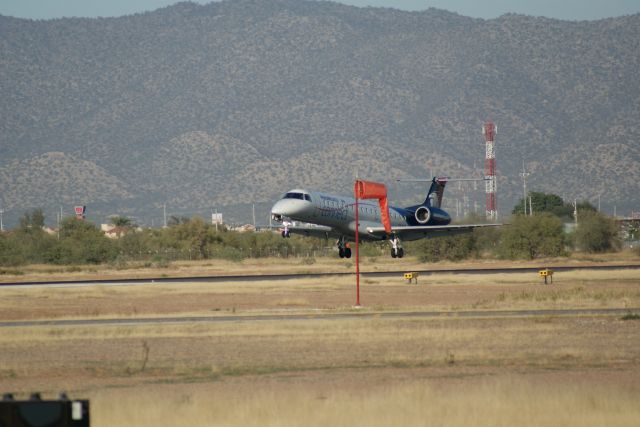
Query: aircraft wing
[410, 232]
[321, 231]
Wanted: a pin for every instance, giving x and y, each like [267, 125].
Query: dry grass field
[529, 370]
[288, 265]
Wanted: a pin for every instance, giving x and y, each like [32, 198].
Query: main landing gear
[343, 248]
[396, 249]
[344, 251]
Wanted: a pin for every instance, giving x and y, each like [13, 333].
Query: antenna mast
[489, 130]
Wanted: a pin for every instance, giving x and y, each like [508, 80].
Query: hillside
[232, 103]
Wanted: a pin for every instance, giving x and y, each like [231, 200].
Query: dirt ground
[576, 289]
[289, 266]
[529, 370]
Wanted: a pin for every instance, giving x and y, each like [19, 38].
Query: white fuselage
[326, 215]
[337, 212]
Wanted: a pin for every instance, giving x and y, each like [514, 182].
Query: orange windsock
[370, 190]
[375, 190]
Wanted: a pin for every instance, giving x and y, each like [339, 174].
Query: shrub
[596, 233]
[229, 253]
[158, 261]
[529, 237]
[452, 248]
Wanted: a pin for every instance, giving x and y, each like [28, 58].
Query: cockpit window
[300, 196]
[294, 196]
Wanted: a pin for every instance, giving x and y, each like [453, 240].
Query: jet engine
[423, 215]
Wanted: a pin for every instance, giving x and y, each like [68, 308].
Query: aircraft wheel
[400, 252]
[284, 235]
[347, 252]
[393, 253]
[341, 252]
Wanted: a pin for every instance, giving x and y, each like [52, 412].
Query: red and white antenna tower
[489, 130]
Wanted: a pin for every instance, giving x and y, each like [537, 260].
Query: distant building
[113, 232]
[247, 228]
[629, 227]
[49, 230]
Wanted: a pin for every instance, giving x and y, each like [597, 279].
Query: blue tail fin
[436, 191]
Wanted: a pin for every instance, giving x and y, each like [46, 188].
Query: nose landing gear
[344, 251]
[286, 233]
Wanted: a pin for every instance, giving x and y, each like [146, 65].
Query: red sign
[80, 210]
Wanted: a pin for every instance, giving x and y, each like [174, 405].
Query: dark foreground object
[43, 413]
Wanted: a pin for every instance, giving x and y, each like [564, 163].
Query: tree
[122, 221]
[135, 244]
[487, 239]
[193, 235]
[82, 242]
[583, 206]
[529, 237]
[542, 202]
[33, 220]
[596, 232]
[30, 242]
[8, 253]
[452, 248]
[177, 220]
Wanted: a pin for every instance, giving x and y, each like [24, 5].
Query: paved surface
[254, 278]
[325, 316]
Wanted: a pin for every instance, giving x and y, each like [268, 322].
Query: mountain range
[227, 105]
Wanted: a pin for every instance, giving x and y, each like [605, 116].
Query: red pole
[369, 190]
[357, 252]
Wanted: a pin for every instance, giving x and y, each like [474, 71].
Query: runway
[464, 314]
[294, 276]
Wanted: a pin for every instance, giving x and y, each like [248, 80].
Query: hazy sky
[560, 9]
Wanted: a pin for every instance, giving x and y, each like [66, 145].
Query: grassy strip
[502, 401]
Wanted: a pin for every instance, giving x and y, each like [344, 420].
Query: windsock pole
[357, 253]
[369, 190]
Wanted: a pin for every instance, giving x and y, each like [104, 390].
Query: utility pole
[59, 221]
[1, 223]
[524, 174]
[164, 209]
[253, 208]
[575, 212]
[465, 205]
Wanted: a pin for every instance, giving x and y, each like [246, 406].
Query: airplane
[328, 216]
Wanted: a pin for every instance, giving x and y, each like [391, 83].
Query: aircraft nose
[287, 208]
